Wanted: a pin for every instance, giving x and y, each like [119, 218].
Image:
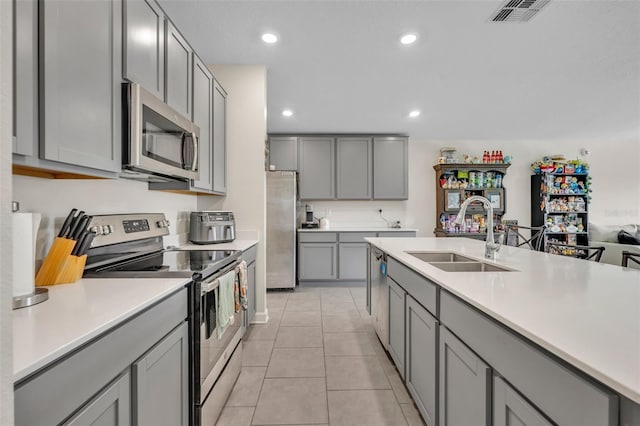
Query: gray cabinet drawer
[564, 396]
[40, 401]
[317, 237]
[397, 234]
[420, 288]
[355, 237]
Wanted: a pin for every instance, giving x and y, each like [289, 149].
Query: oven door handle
[213, 283]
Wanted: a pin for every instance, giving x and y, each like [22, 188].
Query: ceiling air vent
[518, 10]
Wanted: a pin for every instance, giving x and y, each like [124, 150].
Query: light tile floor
[318, 361]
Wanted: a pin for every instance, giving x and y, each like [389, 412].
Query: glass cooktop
[168, 263]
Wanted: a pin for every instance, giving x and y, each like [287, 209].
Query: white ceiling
[573, 72]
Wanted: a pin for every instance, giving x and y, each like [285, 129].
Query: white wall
[246, 179]
[613, 167]
[6, 288]
[53, 198]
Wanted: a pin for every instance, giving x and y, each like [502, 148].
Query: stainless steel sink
[434, 256]
[468, 267]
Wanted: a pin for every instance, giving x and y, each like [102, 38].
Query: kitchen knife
[74, 223]
[83, 244]
[81, 227]
[67, 223]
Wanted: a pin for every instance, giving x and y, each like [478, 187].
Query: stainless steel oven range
[131, 246]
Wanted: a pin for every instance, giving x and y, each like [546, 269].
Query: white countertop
[76, 313]
[241, 245]
[357, 229]
[586, 313]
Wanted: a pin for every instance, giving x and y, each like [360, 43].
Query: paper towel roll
[25, 231]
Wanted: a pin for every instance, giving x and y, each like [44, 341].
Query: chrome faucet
[491, 248]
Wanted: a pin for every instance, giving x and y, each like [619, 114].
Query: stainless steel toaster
[211, 227]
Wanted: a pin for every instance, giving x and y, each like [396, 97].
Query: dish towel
[225, 301]
[242, 277]
[236, 292]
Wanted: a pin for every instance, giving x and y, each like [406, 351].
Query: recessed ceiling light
[269, 38]
[408, 38]
[414, 113]
[287, 113]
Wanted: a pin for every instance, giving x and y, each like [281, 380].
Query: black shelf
[564, 174]
[579, 194]
[567, 212]
[539, 217]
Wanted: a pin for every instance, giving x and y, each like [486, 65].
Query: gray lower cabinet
[283, 153]
[219, 142]
[352, 261]
[317, 261]
[178, 69]
[421, 374]
[25, 130]
[354, 168]
[161, 382]
[144, 37]
[397, 297]
[112, 407]
[81, 74]
[464, 384]
[316, 164]
[203, 118]
[249, 256]
[390, 168]
[251, 290]
[511, 409]
[92, 384]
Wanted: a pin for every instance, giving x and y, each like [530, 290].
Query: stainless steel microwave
[159, 143]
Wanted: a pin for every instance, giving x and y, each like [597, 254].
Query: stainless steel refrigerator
[281, 229]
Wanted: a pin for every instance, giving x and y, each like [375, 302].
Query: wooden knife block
[60, 266]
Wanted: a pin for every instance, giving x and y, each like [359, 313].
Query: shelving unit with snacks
[455, 182]
[560, 202]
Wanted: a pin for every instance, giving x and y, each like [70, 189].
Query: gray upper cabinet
[397, 298]
[353, 168]
[81, 72]
[161, 382]
[144, 45]
[178, 71]
[112, 407]
[465, 384]
[25, 130]
[511, 409]
[219, 144]
[283, 153]
[203, 118]
[316, 166]
[421, 355]
[390, 168]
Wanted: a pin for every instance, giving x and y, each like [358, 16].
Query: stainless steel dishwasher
[379, 300]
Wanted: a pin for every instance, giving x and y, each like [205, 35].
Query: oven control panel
[120, 228]
[139, 225]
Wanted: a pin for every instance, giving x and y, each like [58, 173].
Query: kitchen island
[559, 335]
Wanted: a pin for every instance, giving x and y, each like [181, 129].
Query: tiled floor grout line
[255, 408]
[324, 361]
[364, 328]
